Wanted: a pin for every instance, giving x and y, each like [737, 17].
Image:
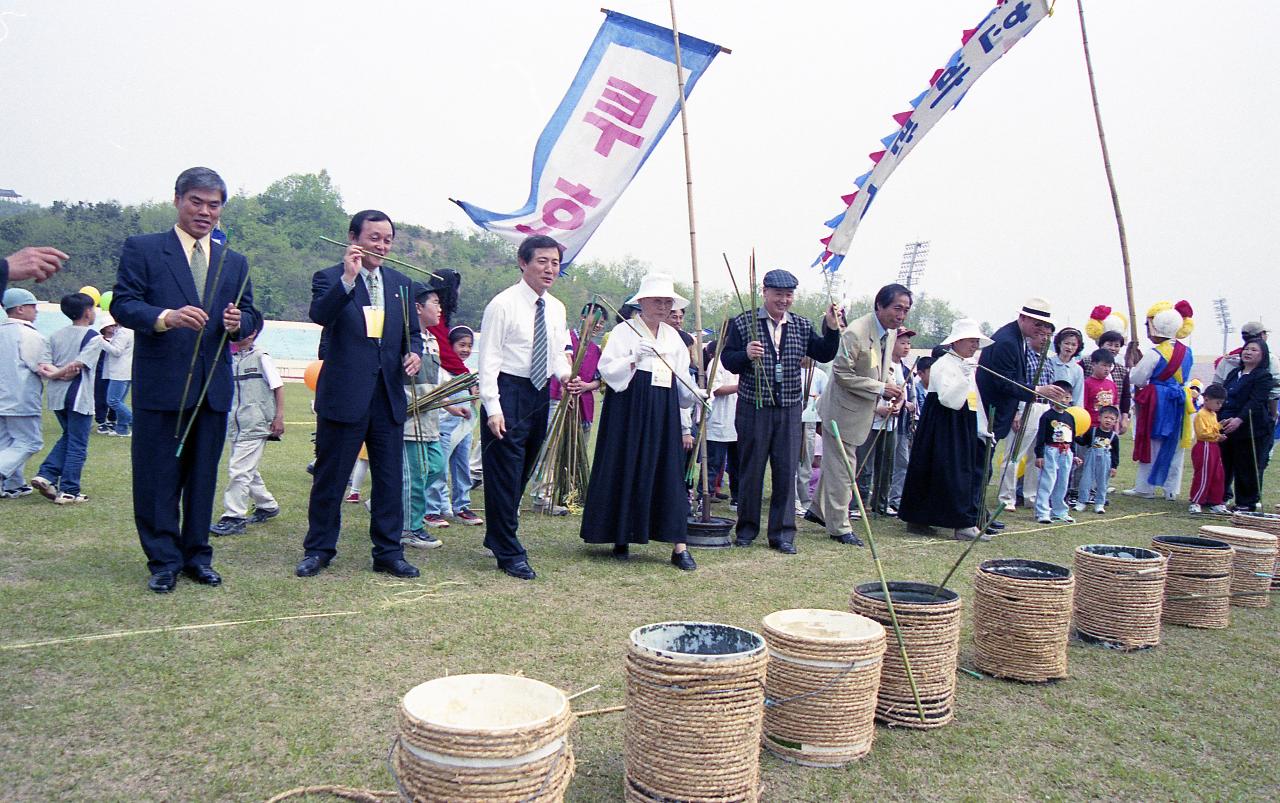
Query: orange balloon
[311, 377]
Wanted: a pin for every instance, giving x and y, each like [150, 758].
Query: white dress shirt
[506, 345]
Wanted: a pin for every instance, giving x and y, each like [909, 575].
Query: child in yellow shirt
[1206, 456]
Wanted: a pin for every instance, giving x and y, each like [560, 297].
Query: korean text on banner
[981, 47]
[620, 104]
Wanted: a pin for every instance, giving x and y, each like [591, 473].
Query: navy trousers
[508, 463]
[164, 484]
[337, 447]
[767, 435]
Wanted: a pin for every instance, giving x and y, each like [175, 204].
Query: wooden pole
[1111, 182]
[693, 253]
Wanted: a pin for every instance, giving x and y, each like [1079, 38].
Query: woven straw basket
[1252, 566]
[1119, 595]
[820, 698]
[1267, 523]
[1199, 568]
[695, 707]
[1022, 619]
[484, 737]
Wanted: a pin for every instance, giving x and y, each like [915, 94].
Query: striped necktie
[538, 365]
[199, 268]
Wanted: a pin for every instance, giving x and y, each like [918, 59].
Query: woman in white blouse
[637, 489]
[948, 467]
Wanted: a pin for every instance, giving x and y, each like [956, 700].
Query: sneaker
[547, 507]
[468, 518]
[103, 429]
[70, 499]
[1066, 519]
[1072, 499]
[432, 520]
[260, 515]
[1219, 509]
[1139, 494]
[353, 497]
[1009, 507]
[891, 511]
[1193, 508]
[17, 493]
[970, 534]
[45, 487]
[429, 541]
[228, 525]
[1099, 509]
[1044, 521]
[122, 433]
[413, 538]
[1079, 506]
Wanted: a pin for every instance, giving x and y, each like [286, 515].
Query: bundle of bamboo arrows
[438, 396]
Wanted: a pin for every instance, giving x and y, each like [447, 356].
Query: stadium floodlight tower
[1224, 320]
[914, 257]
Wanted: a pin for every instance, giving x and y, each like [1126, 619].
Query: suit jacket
[153, 276]
[352, 359]
[1007, 357]
[857, 380]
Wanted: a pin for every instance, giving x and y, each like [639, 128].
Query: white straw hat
[963, 328]
[659, 285]
[1038, 309]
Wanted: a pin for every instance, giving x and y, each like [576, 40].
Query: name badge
[661, 376]
[777, 372]
[373, 320]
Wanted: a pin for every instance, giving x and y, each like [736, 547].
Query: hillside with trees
[279, 231]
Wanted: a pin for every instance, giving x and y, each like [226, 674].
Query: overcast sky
[408, 104]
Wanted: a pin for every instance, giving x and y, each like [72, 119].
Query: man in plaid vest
[765, 352]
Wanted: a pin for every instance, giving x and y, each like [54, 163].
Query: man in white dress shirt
[522, 345]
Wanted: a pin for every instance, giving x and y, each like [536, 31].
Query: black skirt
[947, 470]
[637, 491]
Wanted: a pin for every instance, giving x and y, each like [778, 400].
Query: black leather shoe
[847, 538]
[786, 547]
[162, 582]
[683, 561]
[520, 571]
[310, 566]
[204, 575]
[995, 527]
[920, 529]
[741, 542]
[809, 515]
[399, 567]
[228, 525]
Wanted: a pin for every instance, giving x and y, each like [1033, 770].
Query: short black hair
[594, 307]
[923, 364]
[1215, 391]
[1063, 383]
[364, 216]
[199, 178]
[1065, 333]
[889, 294]
[939, 350]
[1110, 408]
[625, 313]
[1102, 356]
[73, 305]
[1111, 336]
[447, 291]
[533, 243]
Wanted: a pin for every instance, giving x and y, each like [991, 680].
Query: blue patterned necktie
[538, 365]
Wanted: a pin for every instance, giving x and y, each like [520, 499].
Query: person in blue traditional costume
[637, 489]
[1162, 432]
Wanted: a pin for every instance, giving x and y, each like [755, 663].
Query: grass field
[245, 711]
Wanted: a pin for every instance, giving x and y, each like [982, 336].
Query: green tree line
[279, 231]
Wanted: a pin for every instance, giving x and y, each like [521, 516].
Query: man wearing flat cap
[765, 352]
[1013, 365]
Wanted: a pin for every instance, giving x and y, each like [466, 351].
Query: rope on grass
[1110, 520]
[25, 645]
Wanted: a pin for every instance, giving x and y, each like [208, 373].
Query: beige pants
[246, 481]
[835, 486]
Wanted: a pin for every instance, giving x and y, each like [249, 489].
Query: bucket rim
[1140, 552]
[533, 684]
[939, 596]
[758, 643]
[774, 621]
[1057, 571]
[1190, 541]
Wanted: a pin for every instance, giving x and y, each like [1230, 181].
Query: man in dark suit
[1015, 355]
[360, 393]
[177, 291]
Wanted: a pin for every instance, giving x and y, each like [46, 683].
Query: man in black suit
[1015, 355]
[177, 291]
[360, 393]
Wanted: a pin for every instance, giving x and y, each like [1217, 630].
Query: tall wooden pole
[1111, 182]
[693, 258]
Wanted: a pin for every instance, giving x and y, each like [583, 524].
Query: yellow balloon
[1083, 421]
[91, 292]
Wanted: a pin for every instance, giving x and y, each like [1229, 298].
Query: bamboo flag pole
[383, 257]
[693, 249]
[204, 391]
[1111, 182]
[195, 352]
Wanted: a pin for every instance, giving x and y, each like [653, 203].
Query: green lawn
[246, 711]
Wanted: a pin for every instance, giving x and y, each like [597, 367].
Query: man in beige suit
[857, 385]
